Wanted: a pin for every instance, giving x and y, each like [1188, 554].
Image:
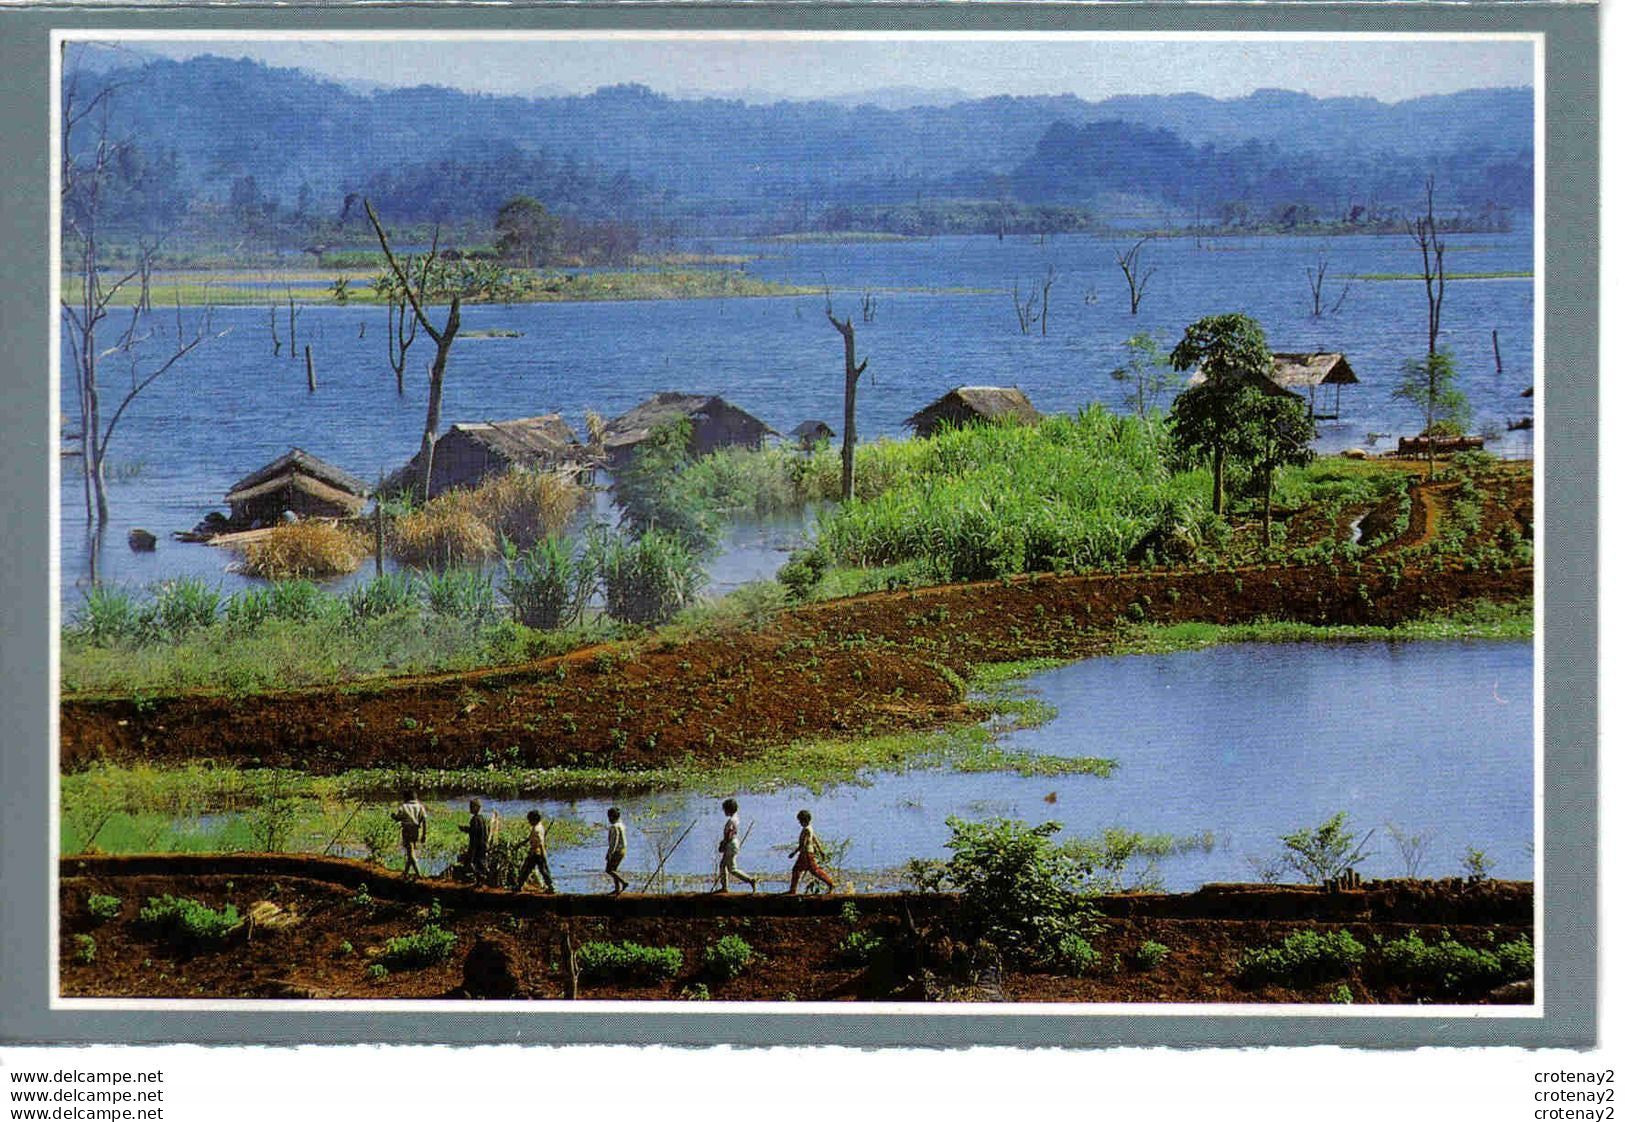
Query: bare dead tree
[403, 331]
[276, 342]
[869, 306]
[293, 326]
[1043, 317]
[849, 425]
[1135, 272]
[86, 171]
[1424, 231]
[1025, 306]
[1317, 281]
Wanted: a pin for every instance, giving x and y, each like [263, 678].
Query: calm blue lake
[232, 406]
[1244, 743]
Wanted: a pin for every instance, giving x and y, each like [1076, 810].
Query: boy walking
[535, 855]
[479, 840]
[729, 848]
[616, 851]
[808, 850]
[414, 820]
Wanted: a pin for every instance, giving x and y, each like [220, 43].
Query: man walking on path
[808, 850]
[535, 854]
[729, 848]
[479, 840]
[616, 851]
[414, 820]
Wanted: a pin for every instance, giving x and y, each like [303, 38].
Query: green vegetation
[859, 948]
[1319, 853]
[187, 923]
[1108, 856]
[425, 947]
[103, 908]
[647, 580]
[1478, 619]
[727, 957]
[1150, 954]
[1077, 956]
[1303, 959]
[628, 961]
[1450, 968]
[84, 949]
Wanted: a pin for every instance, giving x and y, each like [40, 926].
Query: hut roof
[298, 481]
[987, 402]
[812, 430]
[1312, 369]
[523, 439]
[635, 425]
[297, 462]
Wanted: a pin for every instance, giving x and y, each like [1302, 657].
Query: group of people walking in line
[482, 831]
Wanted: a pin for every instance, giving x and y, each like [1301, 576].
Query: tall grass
[547, 584]
[313, 548]
[648, 579]
[990, 500]
[467, 525]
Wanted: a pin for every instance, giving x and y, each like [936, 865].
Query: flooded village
[1093, 564]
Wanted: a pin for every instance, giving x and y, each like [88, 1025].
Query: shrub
[383, 594]
[649, 579]
[379, 835]
[1021, 890]
[422, 948]
[298, 550]
[1342, 995]
[547, 585]
[464, 594]
[1322, 852]
[1076, 955]
[858, 948]
[801, 574]
[275, 811]
[651, 494]
[628, 961]
[84, 949]
[186, 922]
[377, 972]
[1304, 958]
[108, 615]
[1477, 865]
[727, 957]
[1450, 967]
[1150, 954]
[103, 908]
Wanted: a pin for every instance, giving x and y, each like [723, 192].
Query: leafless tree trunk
[293, 326]
[849, 427]
[1135, 273]
[276, 343]
[442, 336]
[1043, 318]
[1025, 307]
[1424, 232]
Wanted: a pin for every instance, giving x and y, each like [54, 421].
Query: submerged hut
[969, 404]
[1293, 372]
[714, 423]
[809, 434]
[296, 481]
[468, 453]
[1297, 371]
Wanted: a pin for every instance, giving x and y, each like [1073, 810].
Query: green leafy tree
[1147, 374]
[526, 232]
[1325, 851]
[1233, 356]
[1430, 385]
[1275, 432]
[1021, 891]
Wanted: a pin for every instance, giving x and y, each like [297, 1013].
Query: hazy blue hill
[633, 153]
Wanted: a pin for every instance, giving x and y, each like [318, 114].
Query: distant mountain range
[626, 153]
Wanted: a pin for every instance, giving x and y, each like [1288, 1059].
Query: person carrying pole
[729, 848]
[414, 820]
[535, 855]
[616, 852]
[479, 840]
[808, 850]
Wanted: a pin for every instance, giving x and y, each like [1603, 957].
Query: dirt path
[881, 662]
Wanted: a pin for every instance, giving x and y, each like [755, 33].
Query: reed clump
[468, 525]
[305, 550]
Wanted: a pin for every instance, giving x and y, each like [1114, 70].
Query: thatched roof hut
[299, 482]
[714, 423]
[467, 453]
[968, 404]
[808, 434]
[1299, 374]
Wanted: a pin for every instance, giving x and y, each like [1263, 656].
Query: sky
[804, 67]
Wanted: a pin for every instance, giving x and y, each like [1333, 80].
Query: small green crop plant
[422, 948]
[185, 922]
[628, 961]
[1451, 968]
[103, 908]
[377, 972]
[858, 948]
[727, 957]
[84, 949]
[1303, 959]
[1075, 955]
[1150, 954]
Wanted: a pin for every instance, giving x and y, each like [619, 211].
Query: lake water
[1244, 743]
[232, 406]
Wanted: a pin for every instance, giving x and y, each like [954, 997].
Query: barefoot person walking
[616, 852]
[414, 819]
[479, 840]
[535, 855]
[808, 850]
[729, 848]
